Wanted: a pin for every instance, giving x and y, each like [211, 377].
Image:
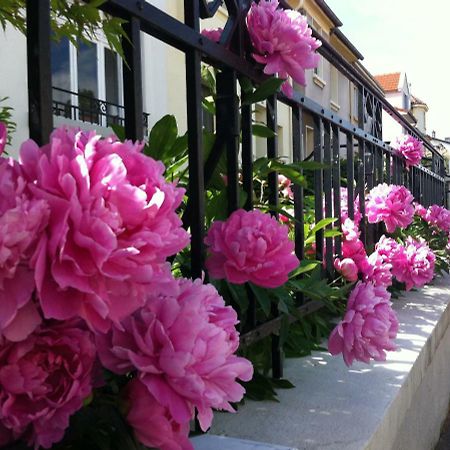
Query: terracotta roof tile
[389, 81]
[417, 100]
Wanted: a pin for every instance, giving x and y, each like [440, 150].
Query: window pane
[113, 112]
[87, 82]
[87, 69]
[61, 77]
[111, 77]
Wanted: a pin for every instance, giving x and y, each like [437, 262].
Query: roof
[416, 100]
[389, 82]
[344, 39]
[329, 13]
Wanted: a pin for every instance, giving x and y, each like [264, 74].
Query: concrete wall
[399, 404]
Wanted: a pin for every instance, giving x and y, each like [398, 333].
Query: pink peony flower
[282, 42]
[214, 34]
[410, 148]
[420, 210]
[413, 263]
[347, 267]
[250, 246]
[152, 423]
[182, 347]
[43, 381]
[368, 327]
[113, 224]
[22, 222]
[353, 248]
[386, 247]
[390, 204]
[284, 185]
[380, 271]
[3, 137]
[439, 217]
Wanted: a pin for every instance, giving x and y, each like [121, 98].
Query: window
[309, 140]
[354, 101]
[334, 82]
[318, 71]
[87, 82]
[406, 102]
[112, 86]
[87, 74]
[60, 54]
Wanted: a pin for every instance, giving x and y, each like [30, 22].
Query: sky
[405, 36]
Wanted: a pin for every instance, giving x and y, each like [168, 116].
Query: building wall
[155, 79]
[391, 129]
[164, 85]
[419, 112]
[13, 84]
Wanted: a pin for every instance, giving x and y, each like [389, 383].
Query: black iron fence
[367, 160]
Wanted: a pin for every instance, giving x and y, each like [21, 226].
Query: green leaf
[260, 388]
[259, 164]
[215, 206]
[322, 224]
[263, 166]
[285, 301]
[119, 131]
[263, 91]
[262, 131]
[332, 233]
[246, 85]
[262, 297]
[282, 383]
[209, 105]
[239, 295]
[305, 266]
[162, 137]
[179, 146]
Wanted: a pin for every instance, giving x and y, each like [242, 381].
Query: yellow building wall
[177, 86]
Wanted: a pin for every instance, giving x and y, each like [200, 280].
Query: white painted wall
[419, 112]
[154, 60]
[13, 82]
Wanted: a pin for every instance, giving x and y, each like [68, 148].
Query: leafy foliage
[6, 118]
[75, 20]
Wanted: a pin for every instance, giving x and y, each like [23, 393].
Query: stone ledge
[398, 404]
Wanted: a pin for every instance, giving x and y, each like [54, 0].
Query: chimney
[433, 134]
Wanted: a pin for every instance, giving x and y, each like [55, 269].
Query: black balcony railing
[357, 149]
[87, 108]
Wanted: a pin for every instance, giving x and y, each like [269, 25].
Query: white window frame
[318, 72]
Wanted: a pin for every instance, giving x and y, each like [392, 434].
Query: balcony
[82, 107]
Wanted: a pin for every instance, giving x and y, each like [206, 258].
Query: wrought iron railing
[367, 160]
[87, 108]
